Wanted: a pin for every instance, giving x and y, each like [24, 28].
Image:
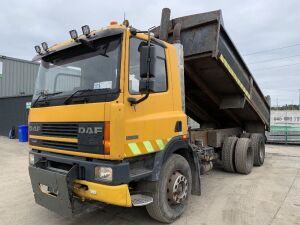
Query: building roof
[18, 60]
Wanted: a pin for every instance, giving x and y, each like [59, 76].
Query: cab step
[141, 200]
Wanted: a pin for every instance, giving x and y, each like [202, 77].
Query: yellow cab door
[150, 124]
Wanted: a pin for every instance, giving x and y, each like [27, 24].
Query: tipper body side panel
[220, 91]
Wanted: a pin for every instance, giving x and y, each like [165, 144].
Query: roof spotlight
[38, 49]
[86, 30]
[45, 46]
[73, 34]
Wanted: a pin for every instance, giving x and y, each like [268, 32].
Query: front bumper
[86, 166]
[115, 195]
[61, 191]
[71, 180]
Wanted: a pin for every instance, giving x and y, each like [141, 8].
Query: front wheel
[172, 190]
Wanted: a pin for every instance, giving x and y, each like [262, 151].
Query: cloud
[252, 25]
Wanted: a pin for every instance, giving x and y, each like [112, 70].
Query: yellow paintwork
[115, 195]
[153, 119]
[68, 113]
[72, 140]
[66, 152]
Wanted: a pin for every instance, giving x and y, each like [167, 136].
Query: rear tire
[244, 156]
[258, 146]
[164, 208]
[228, 154]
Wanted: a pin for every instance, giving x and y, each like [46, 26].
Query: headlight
[103, 173]
[31, 158]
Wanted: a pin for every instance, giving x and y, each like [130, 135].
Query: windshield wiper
[75, 92]
[43, 94]
[103, 90]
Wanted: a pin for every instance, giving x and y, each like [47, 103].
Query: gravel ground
[269, 195]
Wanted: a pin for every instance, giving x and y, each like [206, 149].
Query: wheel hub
[177, 188]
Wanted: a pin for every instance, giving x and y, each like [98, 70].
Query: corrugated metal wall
[18, 77]
[13, 113]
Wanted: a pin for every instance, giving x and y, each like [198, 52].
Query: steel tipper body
[108, 121]
[221, 89]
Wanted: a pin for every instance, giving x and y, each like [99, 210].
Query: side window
[160, 80]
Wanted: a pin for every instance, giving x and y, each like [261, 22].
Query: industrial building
[17, 78]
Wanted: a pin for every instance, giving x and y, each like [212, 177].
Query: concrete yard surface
[269, 195]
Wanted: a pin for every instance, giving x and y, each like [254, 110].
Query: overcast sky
[254, 26]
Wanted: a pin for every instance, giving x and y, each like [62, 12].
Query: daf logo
[89, 130]
[34, 128]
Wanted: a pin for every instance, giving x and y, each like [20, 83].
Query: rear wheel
[172, 190]
[244, 156]
[228, 154]
[258, 146]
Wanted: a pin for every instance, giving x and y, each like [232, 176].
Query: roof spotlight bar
[38, 48]
[73, 33]
[85, 31]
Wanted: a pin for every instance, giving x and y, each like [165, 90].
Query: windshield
[96, 69]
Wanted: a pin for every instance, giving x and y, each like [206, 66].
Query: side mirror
[146, 85]
[148, 56]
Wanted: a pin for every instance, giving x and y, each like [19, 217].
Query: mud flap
[53, 187]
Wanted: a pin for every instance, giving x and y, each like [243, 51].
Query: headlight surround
[103, 173]
[31, 158]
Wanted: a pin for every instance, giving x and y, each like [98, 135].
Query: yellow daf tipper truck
[109, 116]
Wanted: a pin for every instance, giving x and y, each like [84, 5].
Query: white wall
[285, 117]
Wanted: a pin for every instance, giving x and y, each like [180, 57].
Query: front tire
[172, 191]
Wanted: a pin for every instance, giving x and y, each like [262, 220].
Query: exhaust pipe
[176, 33]
[164, 24]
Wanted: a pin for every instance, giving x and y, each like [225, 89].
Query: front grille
[68, 130]
[89, 136]
[59, 145]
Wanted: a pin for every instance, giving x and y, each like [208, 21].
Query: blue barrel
[23, 133]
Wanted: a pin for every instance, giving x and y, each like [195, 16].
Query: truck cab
[86, 130]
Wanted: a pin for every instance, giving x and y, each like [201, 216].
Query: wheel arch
[181, 147]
